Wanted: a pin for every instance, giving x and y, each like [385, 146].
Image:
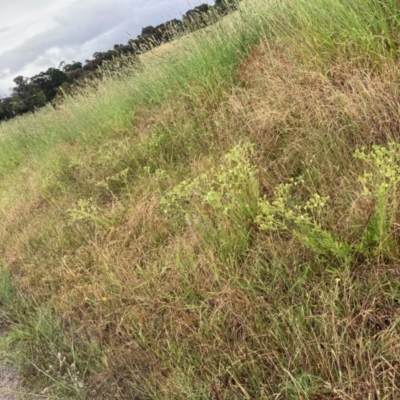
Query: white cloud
[40, 34]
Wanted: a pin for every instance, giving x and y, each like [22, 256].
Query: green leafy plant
[219, 203]
[86, 210]
[303, 220]
[120, 179]
[380, 183]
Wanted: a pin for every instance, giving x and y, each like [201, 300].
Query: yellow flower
[104, 298]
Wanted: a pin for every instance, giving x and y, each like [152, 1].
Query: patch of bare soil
[11, 387]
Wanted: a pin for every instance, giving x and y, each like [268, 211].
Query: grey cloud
[5, 29]
[81, 29]
[77, 27]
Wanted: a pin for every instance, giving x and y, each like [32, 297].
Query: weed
[380, 182]
[304, 221]
[219, 203]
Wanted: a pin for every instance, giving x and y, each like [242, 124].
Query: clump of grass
[221, 224]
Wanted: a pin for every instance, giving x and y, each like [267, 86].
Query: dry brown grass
[168, 318]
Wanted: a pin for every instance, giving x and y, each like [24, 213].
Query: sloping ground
[224, 226]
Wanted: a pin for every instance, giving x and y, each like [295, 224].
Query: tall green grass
[367, 29]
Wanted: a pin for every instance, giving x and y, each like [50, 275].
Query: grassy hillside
[222, 224]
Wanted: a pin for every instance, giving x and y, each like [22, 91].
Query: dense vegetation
[29, 94]
[222, 224]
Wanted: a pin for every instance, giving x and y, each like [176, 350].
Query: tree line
[29, 94]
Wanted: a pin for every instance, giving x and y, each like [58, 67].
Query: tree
[72, 67]
[25, 96]
[22, 88]
[49, 81]
[224, 6]
[6, 111]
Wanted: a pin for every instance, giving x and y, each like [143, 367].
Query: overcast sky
[38, 34]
